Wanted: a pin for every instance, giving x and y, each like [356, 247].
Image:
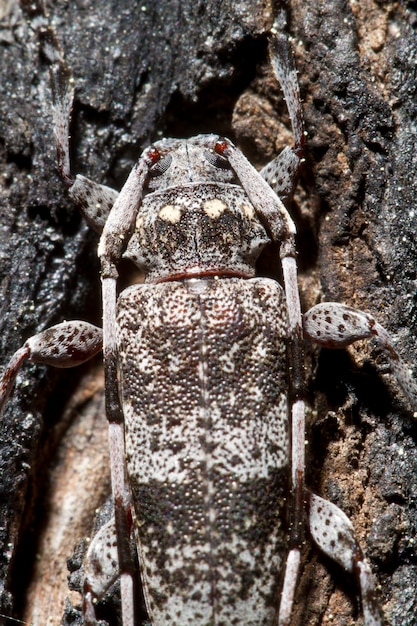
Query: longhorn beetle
[201, 413]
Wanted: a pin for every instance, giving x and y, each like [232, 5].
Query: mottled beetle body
[204, 421]
[204, 397]
[207, 446]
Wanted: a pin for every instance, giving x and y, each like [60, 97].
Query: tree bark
[177, 69]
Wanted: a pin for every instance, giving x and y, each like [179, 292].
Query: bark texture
[176, 69]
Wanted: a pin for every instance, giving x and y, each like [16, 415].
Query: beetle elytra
[234, 184]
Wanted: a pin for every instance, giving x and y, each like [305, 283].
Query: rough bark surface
[177, 68]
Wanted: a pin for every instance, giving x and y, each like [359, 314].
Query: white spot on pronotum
[214, 208]
[249, 211]
[170, 213]
[139, 222]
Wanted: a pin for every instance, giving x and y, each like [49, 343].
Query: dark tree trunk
[180, 68]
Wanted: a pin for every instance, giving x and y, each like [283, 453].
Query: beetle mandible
[230, 199]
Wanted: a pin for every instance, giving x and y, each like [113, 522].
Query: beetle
[172, 215]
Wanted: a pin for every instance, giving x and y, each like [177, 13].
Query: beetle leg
[113, 243]
[333, 532]
[335, 325]
[94, 201]
[282, 172]
[65, 345]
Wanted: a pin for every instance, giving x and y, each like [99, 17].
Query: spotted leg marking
[65, 345]
[335, 325]
[333, 532]
[101, 568]
[94, 200]
[282, 172]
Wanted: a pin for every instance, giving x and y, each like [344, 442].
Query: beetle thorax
[196, 219]
[197, 230]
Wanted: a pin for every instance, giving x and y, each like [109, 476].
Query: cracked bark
[184, 68]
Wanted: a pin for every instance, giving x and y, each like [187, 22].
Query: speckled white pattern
[204, 397]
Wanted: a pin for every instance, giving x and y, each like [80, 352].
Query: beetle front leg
[94, 200]
[282, 172]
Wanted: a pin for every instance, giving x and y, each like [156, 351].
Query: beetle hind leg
[333, 532]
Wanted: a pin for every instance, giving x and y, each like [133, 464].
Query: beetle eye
[217, 160]
[153, 155]
[160, 166]
[220, 146]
